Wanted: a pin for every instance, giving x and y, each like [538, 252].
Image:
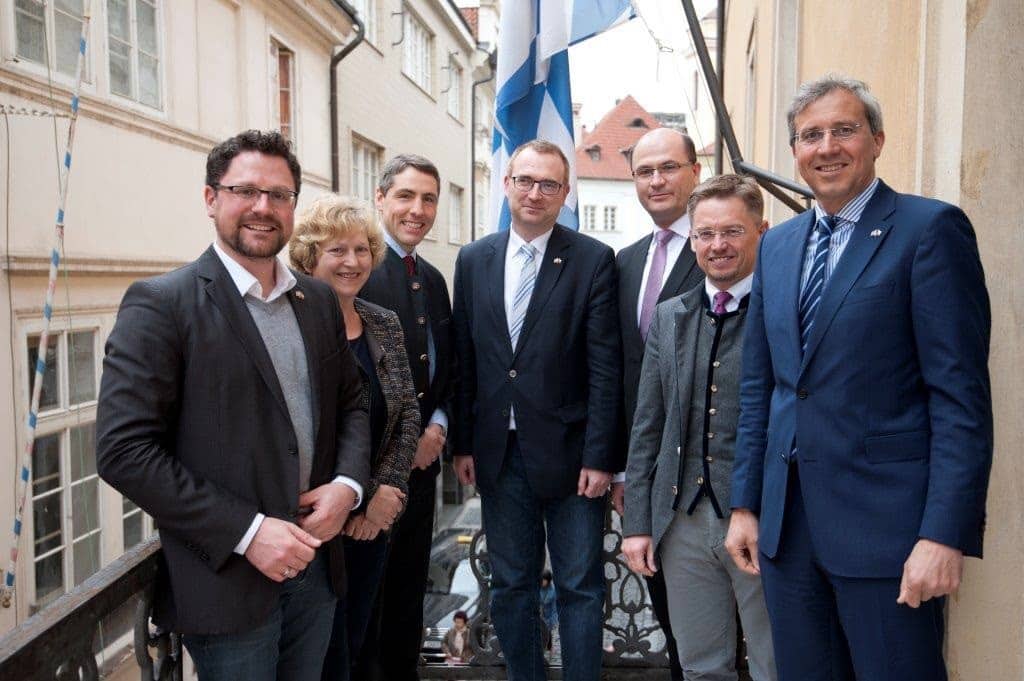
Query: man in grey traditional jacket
[681, 446]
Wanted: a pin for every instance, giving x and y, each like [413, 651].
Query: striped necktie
[811, 295]
[521, 301]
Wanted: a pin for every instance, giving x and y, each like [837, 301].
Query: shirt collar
[680, 226]
[247, 284]
[397, 247]
[852, 211]
[738, 290]
[539, 242]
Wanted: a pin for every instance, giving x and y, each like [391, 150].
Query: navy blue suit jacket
[564, 376]
[889, 409]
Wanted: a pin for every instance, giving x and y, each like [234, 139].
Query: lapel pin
[300, 295]
[557, 261]
[876, 232]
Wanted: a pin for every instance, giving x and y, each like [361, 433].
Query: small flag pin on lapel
[300, 295]
[876, 232]
[557, 261]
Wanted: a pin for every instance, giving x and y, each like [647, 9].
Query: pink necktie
[721, 298]
[653, 288]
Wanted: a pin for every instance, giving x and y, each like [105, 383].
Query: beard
[248, 244]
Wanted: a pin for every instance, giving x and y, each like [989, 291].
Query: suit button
[421, 320]
[416, 286]
[674, 490]
[714, 388]
[716, 364]
[712, 322]
[802, 393]
[293, 451]
[700, 480]
[419, 396]
[711, 436]
[424, 358]
[504, 412]
[712, 411]
[709, 459]
[512, 373]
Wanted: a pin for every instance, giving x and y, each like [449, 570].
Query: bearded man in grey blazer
[681, 445]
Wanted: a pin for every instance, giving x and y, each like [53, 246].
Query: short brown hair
[398, 165]
[331, 216]
[540, 147]
[728, 186]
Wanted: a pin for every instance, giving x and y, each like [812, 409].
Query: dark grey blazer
[630, 264]
[664, 395]
[193, 427]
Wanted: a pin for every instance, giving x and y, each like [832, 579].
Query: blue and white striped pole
[7, 589]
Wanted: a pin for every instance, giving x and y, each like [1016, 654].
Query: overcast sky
[626, 61]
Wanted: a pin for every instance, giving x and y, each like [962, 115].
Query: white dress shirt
[513, 268]
[248, 285]
[738, 290]
[672, 251]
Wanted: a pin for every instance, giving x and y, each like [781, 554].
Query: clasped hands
[281, 549]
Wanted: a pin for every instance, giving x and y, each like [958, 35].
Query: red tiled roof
[616, 132]
[472, 17]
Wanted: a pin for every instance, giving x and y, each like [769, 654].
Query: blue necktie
[521, 301]
[811, 295]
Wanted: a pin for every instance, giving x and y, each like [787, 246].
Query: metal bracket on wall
[449, 69]
[401, 30]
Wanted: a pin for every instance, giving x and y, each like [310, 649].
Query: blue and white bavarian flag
[533, 97]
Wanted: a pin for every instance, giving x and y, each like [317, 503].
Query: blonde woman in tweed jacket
[338, 241]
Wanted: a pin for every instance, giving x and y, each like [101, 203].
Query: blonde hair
[332, 216]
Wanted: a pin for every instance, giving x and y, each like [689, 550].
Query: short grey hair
[814, 90]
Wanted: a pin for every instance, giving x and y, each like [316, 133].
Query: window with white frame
[365, 168]
[282, 86]
[134, 48]
[366, 10]
[454, 89]
[48, 33]
[609, 218]
[455, 213]
[590, 217]
[417, 51]
[65, 488]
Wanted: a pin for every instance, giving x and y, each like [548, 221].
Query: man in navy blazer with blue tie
[537, 405]
[865, 437]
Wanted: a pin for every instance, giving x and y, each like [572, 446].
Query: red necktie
[410, 265]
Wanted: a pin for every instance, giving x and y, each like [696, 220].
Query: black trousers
[391, 651]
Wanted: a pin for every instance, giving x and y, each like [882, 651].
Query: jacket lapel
[680, 271]
[785, 279]
[859, 250]
[632, 279]
[495, 276]
[308, 329]
[221, 290]
[548, 276]
[689, 310]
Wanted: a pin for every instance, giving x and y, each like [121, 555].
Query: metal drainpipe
[720, 26]
[360, 31]
[492, 62]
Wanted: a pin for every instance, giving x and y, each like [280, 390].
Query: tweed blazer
[392, 462]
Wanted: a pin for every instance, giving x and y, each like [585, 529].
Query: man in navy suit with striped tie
[537, 337]
[865, 435]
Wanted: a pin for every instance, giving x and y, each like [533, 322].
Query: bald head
[665, 171]
[665, 139]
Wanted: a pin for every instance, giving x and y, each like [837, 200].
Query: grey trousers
[704, 589]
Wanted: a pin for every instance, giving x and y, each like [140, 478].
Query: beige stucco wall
[947, 73]
[381, 104]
